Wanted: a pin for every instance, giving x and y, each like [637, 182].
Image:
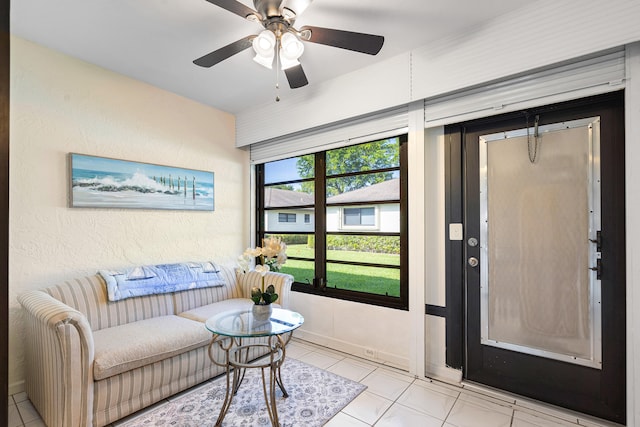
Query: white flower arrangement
[271, 256]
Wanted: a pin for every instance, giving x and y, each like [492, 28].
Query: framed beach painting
[100, 182]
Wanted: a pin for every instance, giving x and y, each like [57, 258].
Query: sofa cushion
[201, 314]
[125, 347]
[89, 296]
[193, 298]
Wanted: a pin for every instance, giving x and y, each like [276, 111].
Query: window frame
[320, 260]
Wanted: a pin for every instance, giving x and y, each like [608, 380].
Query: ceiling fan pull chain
[277, 68]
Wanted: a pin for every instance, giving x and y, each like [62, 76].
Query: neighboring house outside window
[307, 218]
[283, 218]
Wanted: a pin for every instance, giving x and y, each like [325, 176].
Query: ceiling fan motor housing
[268, 8]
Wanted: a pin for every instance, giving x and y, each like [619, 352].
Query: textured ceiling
[155, 41]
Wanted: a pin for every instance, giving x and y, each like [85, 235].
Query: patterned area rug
[315, 396]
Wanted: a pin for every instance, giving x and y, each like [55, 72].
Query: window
[359, 216]
[353, 244]
[286, 217]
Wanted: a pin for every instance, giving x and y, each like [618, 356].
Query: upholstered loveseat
[91, 361]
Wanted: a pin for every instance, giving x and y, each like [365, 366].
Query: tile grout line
[393, 402]
[451, 409]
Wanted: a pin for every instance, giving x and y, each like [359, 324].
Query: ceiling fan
[280, 42]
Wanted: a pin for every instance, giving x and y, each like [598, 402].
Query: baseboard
[444, 373]
[17, 387]
[362, 352]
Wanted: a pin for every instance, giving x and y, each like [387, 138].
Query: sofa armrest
[60, 353]
[282, 282]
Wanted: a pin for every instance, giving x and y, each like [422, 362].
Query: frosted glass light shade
[264, 60]
[291, 48]
[286, 62]
[264, 46]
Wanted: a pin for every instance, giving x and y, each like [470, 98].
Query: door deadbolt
[473, 261]
[473, 242]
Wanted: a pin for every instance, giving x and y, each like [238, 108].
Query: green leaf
[256, 295]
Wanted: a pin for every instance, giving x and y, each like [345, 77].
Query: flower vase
[261, 312]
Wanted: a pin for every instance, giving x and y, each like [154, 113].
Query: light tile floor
[394, 398]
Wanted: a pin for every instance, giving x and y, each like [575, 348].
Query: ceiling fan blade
[296, 6]
[296, 77]
[211, 59]
[234, 6]
[359, 42]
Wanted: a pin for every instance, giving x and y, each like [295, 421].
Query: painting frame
[105, 182]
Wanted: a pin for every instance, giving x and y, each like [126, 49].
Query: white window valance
[371, 127]
[594, 75]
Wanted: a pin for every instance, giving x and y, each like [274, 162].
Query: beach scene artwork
[100, 182]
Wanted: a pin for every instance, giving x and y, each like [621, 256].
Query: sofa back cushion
[281, 282]
[193, 298]
[89, 296]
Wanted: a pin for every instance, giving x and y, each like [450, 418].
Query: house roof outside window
[276, 198]
[381, 192]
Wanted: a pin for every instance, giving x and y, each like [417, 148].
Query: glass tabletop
[241, 323]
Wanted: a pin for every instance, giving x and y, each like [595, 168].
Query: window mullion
[320, 220]
[260, 229]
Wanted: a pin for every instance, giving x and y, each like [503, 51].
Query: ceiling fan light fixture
[290, 46]
[265, 61]
[264, 46]
[286, 63]
[265, 43]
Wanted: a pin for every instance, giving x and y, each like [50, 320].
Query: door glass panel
[539, 207]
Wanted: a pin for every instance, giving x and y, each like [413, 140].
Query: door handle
[597, 269]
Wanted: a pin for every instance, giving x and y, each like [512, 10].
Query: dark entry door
[544, 253]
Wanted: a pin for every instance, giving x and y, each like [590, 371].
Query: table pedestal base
[236, 357]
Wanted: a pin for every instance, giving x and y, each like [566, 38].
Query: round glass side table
[230, 329]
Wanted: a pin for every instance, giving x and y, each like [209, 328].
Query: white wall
[632, 178]
[61, 105]
[339, 324]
